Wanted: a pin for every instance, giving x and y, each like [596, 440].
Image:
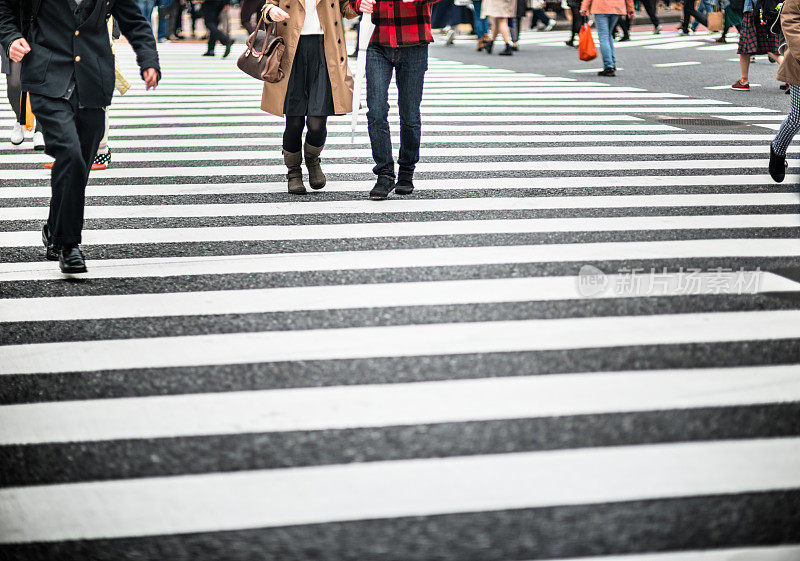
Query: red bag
[586, 50]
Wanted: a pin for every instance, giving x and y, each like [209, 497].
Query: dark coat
[64, 45]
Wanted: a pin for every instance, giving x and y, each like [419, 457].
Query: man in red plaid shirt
[399, 46]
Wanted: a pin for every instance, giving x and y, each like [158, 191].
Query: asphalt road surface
[578, 339]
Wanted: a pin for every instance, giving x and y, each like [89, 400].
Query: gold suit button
[77, 32]
[77, 59]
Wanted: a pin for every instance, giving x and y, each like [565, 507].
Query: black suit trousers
[71, 136]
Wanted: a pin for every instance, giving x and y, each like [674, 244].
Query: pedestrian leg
[410, 80]
[71, 137]
[604, 24]
[788, 130]
[577, 21]
[652, 13]
[380, 67]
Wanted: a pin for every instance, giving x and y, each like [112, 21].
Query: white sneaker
[451, 37]
[17, 134]
[38, 141]
[550, 25]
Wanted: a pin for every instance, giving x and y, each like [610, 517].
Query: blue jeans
[409, 64]
[481, 25]
[146, 7]
[604, 24]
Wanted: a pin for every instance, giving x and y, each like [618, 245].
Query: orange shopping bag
[586, 50]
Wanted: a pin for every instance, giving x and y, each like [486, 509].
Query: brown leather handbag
[262, 58]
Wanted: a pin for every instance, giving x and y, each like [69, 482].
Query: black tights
[293, 135]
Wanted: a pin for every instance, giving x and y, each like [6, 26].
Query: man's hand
[367, 6]
[18, 50]
[150, 77]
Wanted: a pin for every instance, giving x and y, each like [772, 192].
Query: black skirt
[309, 89]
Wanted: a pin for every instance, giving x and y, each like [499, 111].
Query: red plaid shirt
[400, 24]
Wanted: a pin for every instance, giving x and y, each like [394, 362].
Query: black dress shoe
[607, 72]
[383, 186]
[71, 261]
[405, 184]
[228, 48]
[777, 165]
[208, 53]
[51, 249]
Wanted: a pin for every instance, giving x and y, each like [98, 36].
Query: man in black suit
[68, 68]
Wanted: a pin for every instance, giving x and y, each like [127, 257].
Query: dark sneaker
[607, 72]
[71, 261]
[741, 86]
[405, 184]
[51, 250]
[777, 165]
[383, 186]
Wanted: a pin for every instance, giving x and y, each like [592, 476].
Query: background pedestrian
[499, 12]
[211, 11]
[606, 13]
[755, 38]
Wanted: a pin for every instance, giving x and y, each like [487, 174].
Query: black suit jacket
[64, 45]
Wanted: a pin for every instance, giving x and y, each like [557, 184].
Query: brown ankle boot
[293, 161]
[315, 176]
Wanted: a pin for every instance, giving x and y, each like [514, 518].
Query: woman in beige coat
[788, 72]
[318, 81]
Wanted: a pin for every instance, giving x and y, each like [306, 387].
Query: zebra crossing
[577, 340]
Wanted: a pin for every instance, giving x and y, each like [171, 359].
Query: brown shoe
[315, 176]
[293, 161]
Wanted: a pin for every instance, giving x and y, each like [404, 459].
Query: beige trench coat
[789, 70]
[330, 17]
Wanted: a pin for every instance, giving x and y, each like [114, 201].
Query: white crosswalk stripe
[584, 322]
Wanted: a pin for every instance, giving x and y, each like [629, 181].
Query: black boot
[405, 183]
[508, 52]
[51, 250]
[71, 261]
[777, 165]
[383, 186]
[489, 45]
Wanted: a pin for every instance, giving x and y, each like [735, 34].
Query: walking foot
[71, 261]
[294, 176]
[777, 165]
[383, 186]
[51, 250]
[405, 184]
[315, 176]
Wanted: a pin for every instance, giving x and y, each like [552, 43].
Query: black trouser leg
[652, 12]
[577, 20]
[211, 13]
[688, 13]
[71, 136]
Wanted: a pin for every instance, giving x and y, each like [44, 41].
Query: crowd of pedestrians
[71, 103]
